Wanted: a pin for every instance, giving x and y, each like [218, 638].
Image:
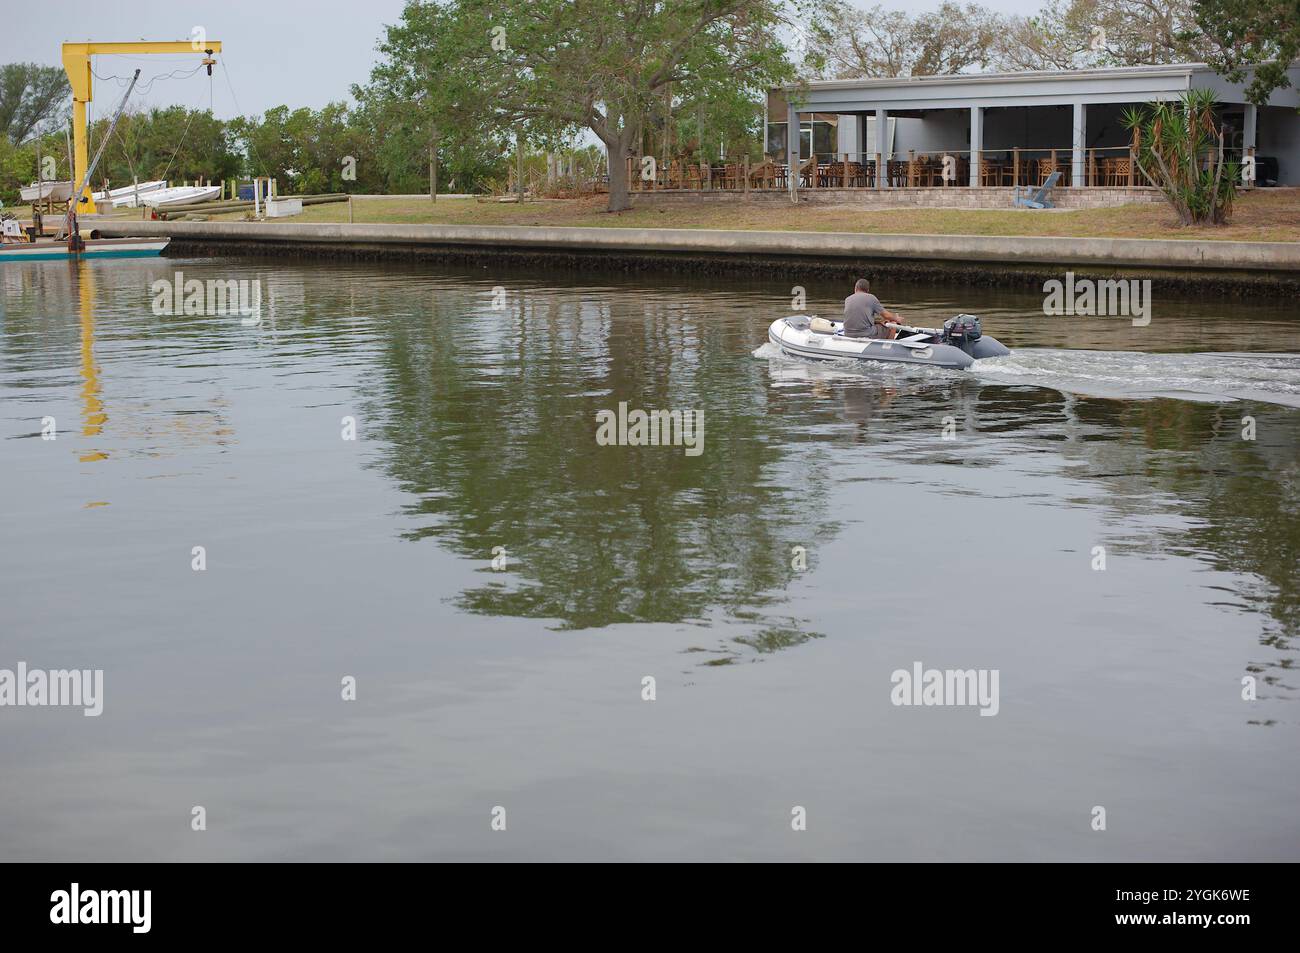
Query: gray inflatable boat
[958, 344]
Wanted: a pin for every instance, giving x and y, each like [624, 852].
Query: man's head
[862, 285]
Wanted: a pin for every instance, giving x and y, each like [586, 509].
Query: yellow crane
[76, 62]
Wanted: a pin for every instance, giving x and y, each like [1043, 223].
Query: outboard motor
[961, 331]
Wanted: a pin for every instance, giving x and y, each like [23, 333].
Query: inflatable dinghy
[958, 344]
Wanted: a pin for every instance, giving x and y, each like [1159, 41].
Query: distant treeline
[334, 149]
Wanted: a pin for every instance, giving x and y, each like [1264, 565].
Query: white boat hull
[40, 191]
[95, 248]
[181, 195]
[129, 196]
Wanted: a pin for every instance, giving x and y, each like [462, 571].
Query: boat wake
[1134, 375]
[1272, 378]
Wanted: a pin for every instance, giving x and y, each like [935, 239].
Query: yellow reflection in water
[93, 415]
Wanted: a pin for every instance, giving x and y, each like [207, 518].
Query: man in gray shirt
[864, 315]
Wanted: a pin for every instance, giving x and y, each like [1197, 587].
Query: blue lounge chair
[1039, 198]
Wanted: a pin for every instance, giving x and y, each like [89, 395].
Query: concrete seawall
[1266, 268]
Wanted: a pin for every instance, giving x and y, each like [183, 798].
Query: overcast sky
[291, 52]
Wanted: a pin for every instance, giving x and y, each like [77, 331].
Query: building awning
[1030, 88]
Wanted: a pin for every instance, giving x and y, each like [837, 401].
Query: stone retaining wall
[908, 198]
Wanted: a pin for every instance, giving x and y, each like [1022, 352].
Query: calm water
[522, 687]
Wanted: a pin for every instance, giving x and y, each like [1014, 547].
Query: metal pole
[75, 243]
[519, 166]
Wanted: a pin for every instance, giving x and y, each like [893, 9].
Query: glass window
[776, 141]
[823, 134]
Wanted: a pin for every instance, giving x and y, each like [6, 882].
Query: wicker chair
[762, 174]
[995, 172]
[806, 171]
[929, 172]
[1046, 167]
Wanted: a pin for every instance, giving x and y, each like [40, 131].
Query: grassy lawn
[1265, 215]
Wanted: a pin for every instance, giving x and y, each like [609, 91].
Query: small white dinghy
[40, 191]
[958, 344]
[129, 196]
[181, 195]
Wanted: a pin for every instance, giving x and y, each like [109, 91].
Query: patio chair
[1039, 197]
[1117, 172]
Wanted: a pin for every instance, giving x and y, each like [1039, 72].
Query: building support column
[1080, 141]
[792, 151]
[976, 144]
[882, 148]
[1252, 123]
[1248, 134]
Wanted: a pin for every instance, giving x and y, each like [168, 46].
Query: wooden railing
[1103, 167]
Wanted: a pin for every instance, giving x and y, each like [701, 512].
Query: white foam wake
[1227, 376]
[1274, 378]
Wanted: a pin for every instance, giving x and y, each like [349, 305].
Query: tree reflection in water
[489, 422]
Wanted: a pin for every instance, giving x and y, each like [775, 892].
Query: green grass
[1265, 215]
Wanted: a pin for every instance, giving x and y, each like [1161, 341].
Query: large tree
[1075, 34]
[1259, 38]
[31, 95]
[845, 42]
[548, 67]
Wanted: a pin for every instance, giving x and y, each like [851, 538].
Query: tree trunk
[519, 165]
[619, 150]
[433, 168]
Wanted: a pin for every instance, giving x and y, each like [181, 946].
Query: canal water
[1108, 519]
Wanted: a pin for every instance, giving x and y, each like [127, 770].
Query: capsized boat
[129, 196]
[46, 189]
[958, 344]
[181, 195]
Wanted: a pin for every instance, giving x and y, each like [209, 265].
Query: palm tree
[1179, 148]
